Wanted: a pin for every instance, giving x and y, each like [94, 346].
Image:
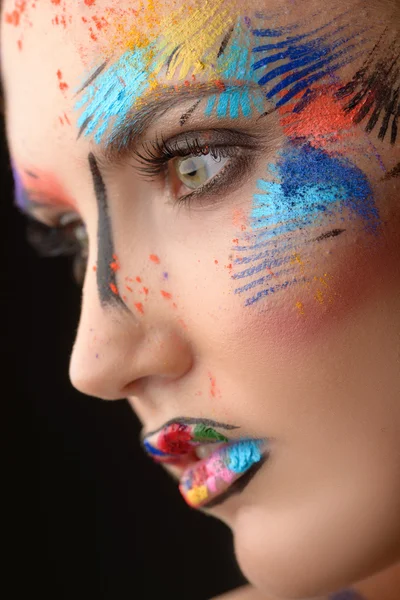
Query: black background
[87, 515]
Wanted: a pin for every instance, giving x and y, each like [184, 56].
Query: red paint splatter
[145, 290]
[94, 268]
[115, 266]
[62, 85]
[61, 121]
[220, 85]
[90, 2]
[124, 298]
[236, 241]
[138, 280]
[166, 295]
[129, 288]
[14, 17]
[215, 261]
[114, 289]
[154, 258]
[66, 119]
[139, 307]
[56, 2]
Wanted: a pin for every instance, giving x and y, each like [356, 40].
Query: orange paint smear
[166, 295]
[323, 121]
[138, 279]
[45, 188]
[145, 290]
[114, 288]
[154, 258]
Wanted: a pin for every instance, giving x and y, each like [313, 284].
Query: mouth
[211, 466]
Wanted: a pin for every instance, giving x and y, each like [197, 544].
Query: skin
[321, 378]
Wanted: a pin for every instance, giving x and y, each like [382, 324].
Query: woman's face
[235, 169]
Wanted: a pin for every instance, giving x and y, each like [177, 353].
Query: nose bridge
[116, 347]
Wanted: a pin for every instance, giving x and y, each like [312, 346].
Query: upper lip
[175, 442]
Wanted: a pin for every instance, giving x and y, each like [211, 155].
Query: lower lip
[214, 479]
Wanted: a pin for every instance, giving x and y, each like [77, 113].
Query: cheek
[311, 250]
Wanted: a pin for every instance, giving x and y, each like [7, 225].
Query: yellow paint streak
[198, 37]
[300, 307]
[197, 31]
[197, 495]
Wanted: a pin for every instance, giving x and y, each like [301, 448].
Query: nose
[115, 351]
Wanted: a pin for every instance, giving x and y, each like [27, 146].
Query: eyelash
[62, 239]
[154, 157]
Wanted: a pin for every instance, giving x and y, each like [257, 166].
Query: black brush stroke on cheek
[225, 42]
[395, 172]
[329, 234]
[373, 94]
[106, 278]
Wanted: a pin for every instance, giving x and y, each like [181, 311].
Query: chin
[289, 557]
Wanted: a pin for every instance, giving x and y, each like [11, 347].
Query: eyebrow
[156, 104]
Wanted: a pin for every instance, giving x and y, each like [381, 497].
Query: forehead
[49, 50]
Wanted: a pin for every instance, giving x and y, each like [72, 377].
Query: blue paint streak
[236, 64]
[243, 455]
[307, 82]
[303, 72]
[110, 98]
[270, 291]
[311, 183]
[299, 56]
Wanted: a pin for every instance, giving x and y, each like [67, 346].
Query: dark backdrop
[88, 515]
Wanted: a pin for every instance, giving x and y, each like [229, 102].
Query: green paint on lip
[202, 433]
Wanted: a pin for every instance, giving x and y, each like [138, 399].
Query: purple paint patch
[165, 275]
[20, 196]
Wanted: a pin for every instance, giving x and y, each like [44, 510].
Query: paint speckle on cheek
[61, 83]
[139, 307]
[154, 258]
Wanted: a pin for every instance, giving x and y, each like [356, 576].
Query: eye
[68, 237]
[193, 172]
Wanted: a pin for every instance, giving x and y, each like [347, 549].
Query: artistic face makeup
[235, 169]
[211, 466]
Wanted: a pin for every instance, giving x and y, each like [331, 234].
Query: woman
[228, 172]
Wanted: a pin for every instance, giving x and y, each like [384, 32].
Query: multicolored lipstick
[211, 463]
[179, 438]
[210, 479]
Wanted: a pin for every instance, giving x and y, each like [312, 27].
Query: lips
[213, 467]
